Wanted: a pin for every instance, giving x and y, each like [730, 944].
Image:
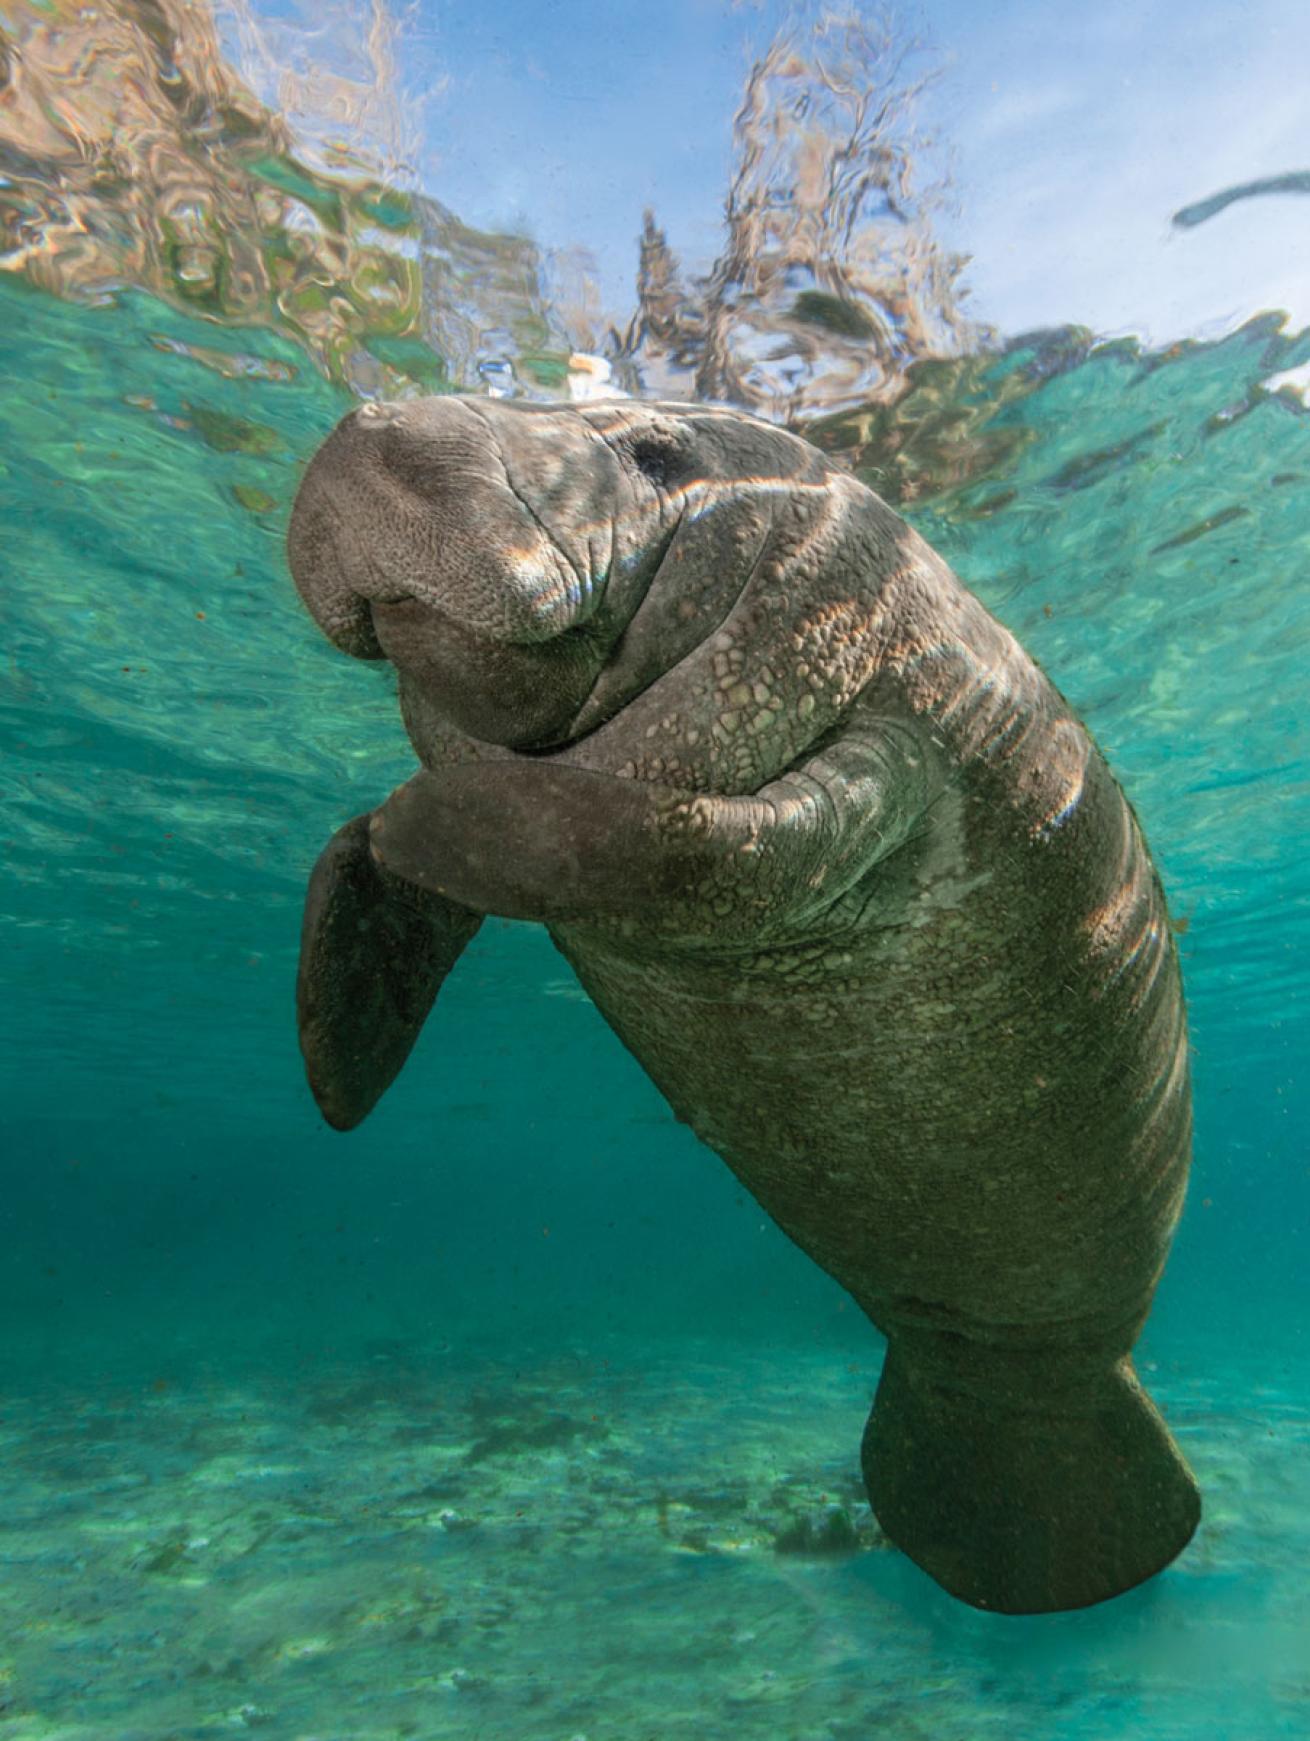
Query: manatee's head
[526, 568]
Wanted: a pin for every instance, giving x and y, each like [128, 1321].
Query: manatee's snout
[416, 500]
[530, 568]
[321, 552]
[471, 545]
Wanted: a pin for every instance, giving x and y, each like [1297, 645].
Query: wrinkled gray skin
[839, 866]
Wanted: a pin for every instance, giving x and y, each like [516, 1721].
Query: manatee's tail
[1019, 1487]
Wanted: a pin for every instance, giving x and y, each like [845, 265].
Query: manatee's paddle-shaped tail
[373, 954]
[1020, 1485]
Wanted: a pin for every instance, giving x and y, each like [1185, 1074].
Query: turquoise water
[508, 1415]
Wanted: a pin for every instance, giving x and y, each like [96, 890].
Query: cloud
[1070, 171]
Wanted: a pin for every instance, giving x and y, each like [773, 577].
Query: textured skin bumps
[844, 872]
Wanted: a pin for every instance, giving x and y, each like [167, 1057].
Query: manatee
[839, 866]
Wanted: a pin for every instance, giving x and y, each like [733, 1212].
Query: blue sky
[1075, 131]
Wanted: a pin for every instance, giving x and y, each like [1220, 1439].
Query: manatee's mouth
[534, 697]
[522, 695]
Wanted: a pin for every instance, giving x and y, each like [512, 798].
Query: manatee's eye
[661, 458]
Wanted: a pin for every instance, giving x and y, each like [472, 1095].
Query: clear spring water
[508, 1415]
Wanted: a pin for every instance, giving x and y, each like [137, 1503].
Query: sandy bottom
[631, 1545]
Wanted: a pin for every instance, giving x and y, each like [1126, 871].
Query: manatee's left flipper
[373, 953]
[547, 841]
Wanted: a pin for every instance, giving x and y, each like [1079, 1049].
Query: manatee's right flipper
[549, 841]
[373, 954]
[1019, 1485]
